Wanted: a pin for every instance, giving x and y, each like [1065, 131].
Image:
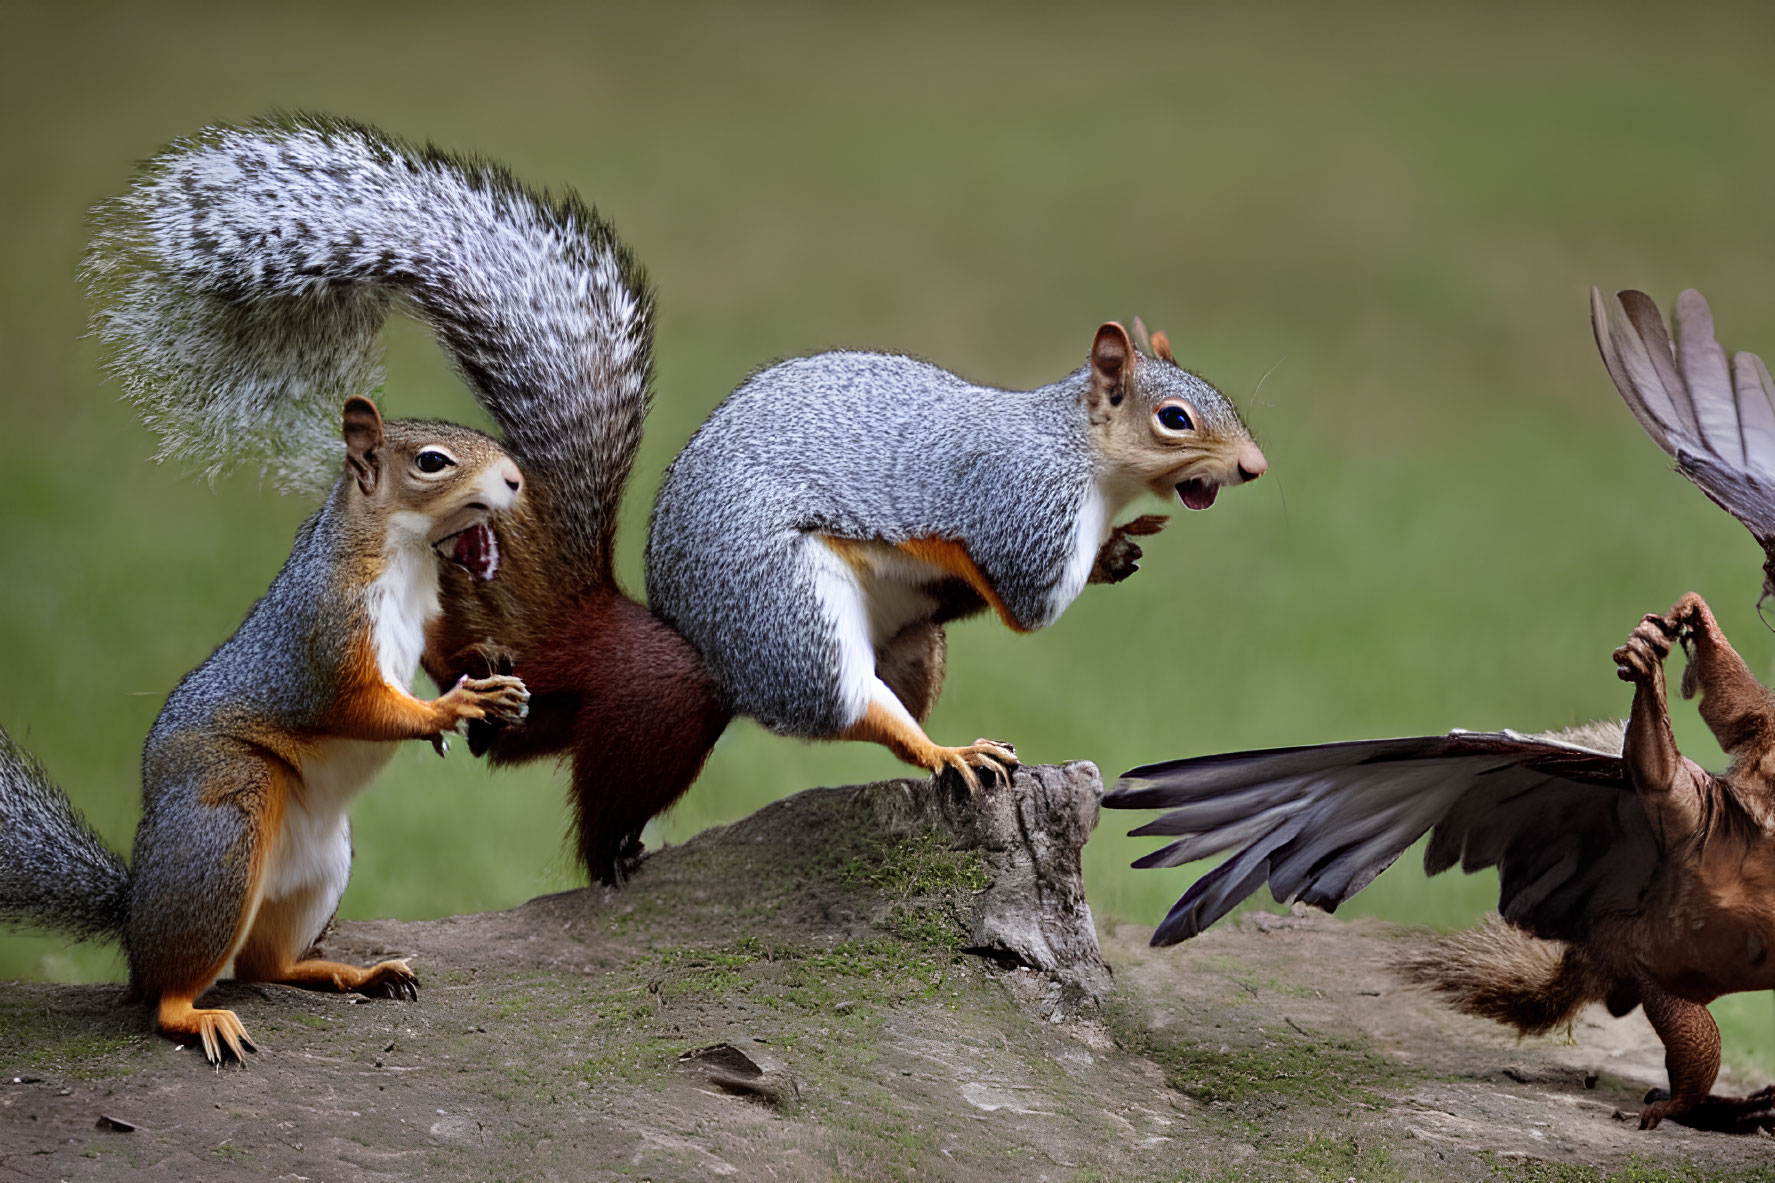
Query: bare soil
[907, 986]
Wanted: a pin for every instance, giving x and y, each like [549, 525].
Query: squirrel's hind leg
[213, 803]
[1691, 1055]
[898, 682]
[385, 979]
[888, 723]
[911, 664]
[281, 932]
[220, 1032]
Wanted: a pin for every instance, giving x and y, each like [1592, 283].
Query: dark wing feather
[1716, 420]
[1560, 822]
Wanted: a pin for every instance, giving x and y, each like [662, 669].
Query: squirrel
[836, 511]
[247, 276]
[244, 848]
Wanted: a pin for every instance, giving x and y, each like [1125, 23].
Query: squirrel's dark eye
[432, 460]
[1175, 418]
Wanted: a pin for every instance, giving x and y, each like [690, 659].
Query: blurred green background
[1386, 219]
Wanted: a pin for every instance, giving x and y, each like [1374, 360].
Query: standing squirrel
[244, 847]
[243, 281]
[244, 293]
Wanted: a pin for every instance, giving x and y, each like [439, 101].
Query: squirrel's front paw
[1645, 650]
[501, 698]
[1688, 611]
[1120, 556]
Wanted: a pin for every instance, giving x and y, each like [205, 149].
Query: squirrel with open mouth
[807, 547]
[244, 847]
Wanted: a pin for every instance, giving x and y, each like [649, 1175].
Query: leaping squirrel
[806, 549]
[832, 515]
[1628, 875]
[244, 847]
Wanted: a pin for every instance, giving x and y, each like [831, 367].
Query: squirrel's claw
[219, 1033]
[390, 979]
[997, 758]
[224, 1037]
[498, 699]
[1724, 1115]
[440, 743]
[502, 698]
[1120, 555]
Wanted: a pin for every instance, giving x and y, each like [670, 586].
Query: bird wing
[1716, 420]
[1559, 820]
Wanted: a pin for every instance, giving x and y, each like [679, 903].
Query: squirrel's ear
[363, 435]
[1162, 348]
[1141, 338]
[1112, 369]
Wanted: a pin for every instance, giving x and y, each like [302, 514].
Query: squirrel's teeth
[475, 550]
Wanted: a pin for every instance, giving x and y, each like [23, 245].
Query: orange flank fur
[953, 558]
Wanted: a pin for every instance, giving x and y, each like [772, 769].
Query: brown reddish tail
[1499, 972]
[630, 699]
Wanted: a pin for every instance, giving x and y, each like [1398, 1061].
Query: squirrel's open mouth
[475, 550]
[1197, 493]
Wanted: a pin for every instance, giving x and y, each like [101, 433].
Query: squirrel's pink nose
[1251, 463]
[514, 480]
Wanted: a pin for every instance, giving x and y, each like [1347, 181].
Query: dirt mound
[891, 981]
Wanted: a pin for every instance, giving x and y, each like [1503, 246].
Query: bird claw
[1646, 648]
[1722, 1115]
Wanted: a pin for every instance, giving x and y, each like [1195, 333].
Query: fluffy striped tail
[55, 870]
[1499, 972]
[244, 277]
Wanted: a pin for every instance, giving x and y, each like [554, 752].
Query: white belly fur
[1089, 535]
[872, 597]
[313, 852]
[882, 589]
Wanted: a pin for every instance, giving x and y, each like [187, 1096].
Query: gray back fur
[243, 279]
[861, 446]
[284, 662]
[55, 870]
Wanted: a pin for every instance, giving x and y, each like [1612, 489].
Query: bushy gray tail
[243, 279]
[1499, 972]
[55, 870]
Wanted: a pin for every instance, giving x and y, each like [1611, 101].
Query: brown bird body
[1628, 874]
